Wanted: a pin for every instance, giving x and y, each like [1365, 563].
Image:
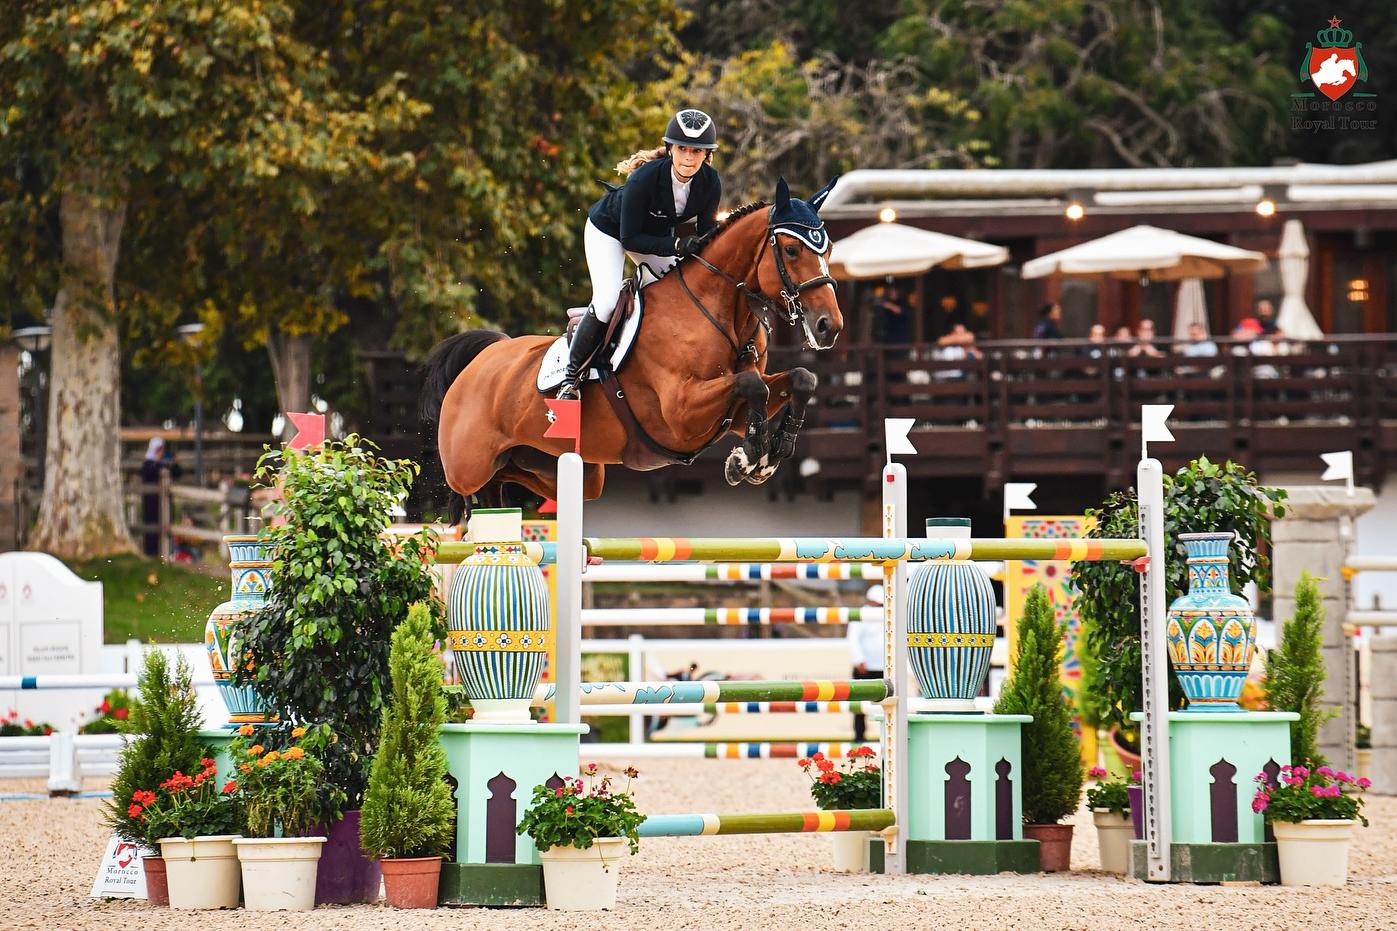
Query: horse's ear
[819, 196]
[783, 195]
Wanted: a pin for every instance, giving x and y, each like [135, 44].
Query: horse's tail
[447, 360]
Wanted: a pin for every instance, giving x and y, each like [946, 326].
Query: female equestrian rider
[666, 187]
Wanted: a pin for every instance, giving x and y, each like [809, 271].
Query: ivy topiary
[1202, 496]
[1052, 765]
[408, 809]
[1295, 674]
[319, 645]
[164, 729]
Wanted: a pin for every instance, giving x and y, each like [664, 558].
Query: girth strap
[616, 397]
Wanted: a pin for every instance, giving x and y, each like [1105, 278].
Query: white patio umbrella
[1159, 254]
[1190, 307]
[1294, 318]
[885, 249]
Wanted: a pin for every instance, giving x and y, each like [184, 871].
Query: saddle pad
[555, 360]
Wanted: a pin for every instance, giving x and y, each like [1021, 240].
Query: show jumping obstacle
[468, 743]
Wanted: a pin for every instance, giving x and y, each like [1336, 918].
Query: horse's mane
[737, 213]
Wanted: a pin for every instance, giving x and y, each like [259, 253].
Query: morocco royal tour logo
[1336, 64]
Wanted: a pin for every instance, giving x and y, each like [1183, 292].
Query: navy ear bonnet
[799, 218]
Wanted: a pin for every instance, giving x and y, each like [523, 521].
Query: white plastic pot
[583, 880]
[850, 851]
[1113, 835]
[1313, 853]
[279, 872]
[202, 871]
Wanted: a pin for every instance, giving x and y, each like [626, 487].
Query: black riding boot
[585, 340]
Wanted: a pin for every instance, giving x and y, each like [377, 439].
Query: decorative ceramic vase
[498, 616]
[202, 872]
[279, 872]
[1211, 632]
[583, 880]
[251, 568]
[950, 624]
[1313, 853]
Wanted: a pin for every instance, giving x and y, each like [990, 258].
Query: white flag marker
[1017, 497]
[1339, 466]
[895, 430]
[1154, 426]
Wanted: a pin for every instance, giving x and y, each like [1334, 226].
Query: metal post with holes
[1154, 728]
[567, 637]
[895, 669]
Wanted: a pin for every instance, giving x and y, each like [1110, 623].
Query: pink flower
[1343, 776]
[1136, 776]
[1299, 771]
[1097, 772]
[1364, 782]
[1293, 780]
[1325, 771]
[1318, 791]
[1259, 803]
[558, 792]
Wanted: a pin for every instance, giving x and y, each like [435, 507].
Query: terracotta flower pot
[411, 882]
[1054, 845]
[157, 883]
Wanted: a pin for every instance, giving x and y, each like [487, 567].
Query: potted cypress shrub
[1295, 673]
[409, 814]
[319, 644]
[163, 726]
[1052, 764]
[281, 792]
[581, 831]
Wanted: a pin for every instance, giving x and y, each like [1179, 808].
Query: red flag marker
[310, 430]
[564, 421]
[549, 506]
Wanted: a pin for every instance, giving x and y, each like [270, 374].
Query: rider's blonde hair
[627, 165]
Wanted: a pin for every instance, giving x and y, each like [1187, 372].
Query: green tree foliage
[1052, 764]
[1202, 496]
[1108, 83]
[408, 808]
[1295, 673]
[319, 645]
[164, 729]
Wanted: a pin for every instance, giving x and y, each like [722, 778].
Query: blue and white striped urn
[1210, 631]
[251, 568]
[499, 619]
[950, 624]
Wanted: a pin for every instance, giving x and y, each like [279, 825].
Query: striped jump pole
[707, 692]
[856, 549]
[737, 707]
[732, 572]
[452, 552]
[755, 617]
[788, 822]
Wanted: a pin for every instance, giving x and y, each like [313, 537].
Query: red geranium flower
[120, 714]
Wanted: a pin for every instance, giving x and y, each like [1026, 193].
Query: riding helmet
[693, 128]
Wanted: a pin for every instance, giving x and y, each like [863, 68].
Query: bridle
[789, 308]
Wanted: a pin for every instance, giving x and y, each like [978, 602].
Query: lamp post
[34, 340]
[189, 331]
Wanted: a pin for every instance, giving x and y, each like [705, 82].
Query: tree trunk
[290, 357]
[81, 515]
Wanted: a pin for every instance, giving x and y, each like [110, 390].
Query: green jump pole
[786, 822]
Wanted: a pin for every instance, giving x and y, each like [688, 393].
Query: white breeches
[606, 263]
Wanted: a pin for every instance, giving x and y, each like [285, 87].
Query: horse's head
[794, 266]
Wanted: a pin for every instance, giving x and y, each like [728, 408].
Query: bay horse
[697, 369]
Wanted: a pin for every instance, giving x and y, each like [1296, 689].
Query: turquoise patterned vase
[1211, 632]
[499, 620]
[950, 624]
[252, 578]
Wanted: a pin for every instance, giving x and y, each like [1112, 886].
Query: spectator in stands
[1266, 316]
[1123, 334]
[865, 639]
[1198, 345]
[891, 322]
[1049, 322]
[1144, 341]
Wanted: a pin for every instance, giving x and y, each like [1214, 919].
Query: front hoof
[736, 468]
